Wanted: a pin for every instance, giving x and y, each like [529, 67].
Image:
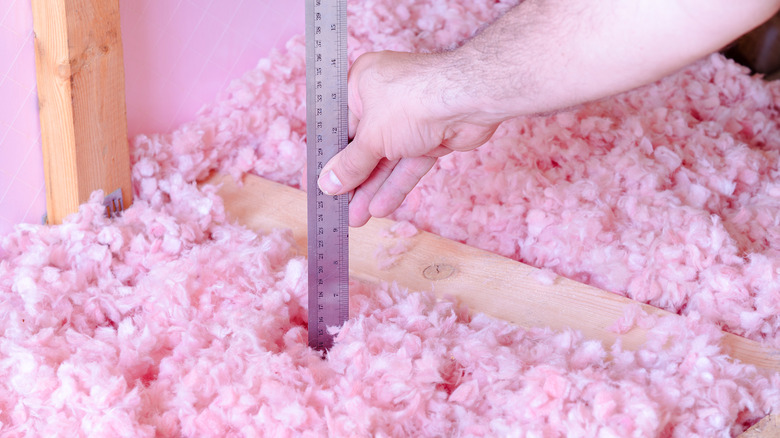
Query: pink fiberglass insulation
[172, 321]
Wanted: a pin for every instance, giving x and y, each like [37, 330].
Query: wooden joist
[81, 95]
[768, 427]
[484, 281]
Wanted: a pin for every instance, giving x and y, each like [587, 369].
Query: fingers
[438, 152]
[386, 188]
[358, 205]
[358, 209]
[404, 176]
[353, 123]
[348, 169]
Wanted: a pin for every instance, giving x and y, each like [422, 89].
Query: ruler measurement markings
[327, 128]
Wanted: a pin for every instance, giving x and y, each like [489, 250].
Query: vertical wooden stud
[81, 94]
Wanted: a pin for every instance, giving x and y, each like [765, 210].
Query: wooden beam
[485, 282]
[768, 427]
[81, 95]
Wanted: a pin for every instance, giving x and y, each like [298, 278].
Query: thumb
[348, 169]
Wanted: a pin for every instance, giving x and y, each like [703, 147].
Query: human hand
[404, 114]
[406, 110]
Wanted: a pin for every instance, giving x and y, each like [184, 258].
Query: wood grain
[81, 95]
[485, 282]
[768, 427]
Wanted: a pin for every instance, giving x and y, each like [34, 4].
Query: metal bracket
[114, 204]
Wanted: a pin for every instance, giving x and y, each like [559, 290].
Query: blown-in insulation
[174, 321]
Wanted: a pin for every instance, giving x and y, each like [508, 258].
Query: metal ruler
[326, 134]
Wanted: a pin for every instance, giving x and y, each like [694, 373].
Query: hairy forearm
[544, 55]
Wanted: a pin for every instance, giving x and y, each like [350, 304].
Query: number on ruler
[327, 131]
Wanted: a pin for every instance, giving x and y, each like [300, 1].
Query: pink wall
[22, 195]
[178, 55]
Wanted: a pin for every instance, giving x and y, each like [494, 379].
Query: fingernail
[329, 183]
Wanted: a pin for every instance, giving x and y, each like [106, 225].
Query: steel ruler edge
[326, 133]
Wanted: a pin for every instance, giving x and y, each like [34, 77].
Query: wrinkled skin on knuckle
[468, 136]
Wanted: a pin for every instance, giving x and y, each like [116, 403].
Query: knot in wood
[438, 271]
